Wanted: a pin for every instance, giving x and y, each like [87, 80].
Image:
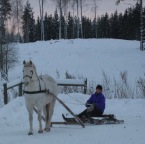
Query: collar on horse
[37, 92]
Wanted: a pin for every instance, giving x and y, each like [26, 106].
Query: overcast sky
[103, 7]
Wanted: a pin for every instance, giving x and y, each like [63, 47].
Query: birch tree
[17, 10]
[73, 8]
[95, 6]
[41, 8]
[65, 9]
[78, 21]
[58, 4]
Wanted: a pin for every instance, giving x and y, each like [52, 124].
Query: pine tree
[114, 29]
[46, 27]
[27, 22]
[32, 29]
[38, 30]
[70, 26]
[56, 25]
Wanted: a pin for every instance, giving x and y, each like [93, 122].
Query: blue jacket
[99, 100]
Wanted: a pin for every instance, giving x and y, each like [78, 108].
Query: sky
[103, 7]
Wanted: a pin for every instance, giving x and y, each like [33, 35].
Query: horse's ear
[24, 62]
[30, 62]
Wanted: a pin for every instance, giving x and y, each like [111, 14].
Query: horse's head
[29, 72]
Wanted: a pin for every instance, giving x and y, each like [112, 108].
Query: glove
[87, 105]
[90, 107]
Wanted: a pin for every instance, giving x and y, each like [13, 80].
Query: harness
[40, 90]
[37, 92]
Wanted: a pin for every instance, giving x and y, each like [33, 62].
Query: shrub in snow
[140, 88]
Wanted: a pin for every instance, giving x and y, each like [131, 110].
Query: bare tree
[95, 6]
[65, 9]
[78, 20]
[41, 7]
[82, 4]
[73, 8]
[81, 9]
[7, 53]
[59, 6]
[17, 10]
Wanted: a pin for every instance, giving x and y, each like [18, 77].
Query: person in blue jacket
[95, 104]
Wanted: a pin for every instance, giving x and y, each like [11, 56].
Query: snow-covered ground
[79, 57]
[14, 124]
[83, 57]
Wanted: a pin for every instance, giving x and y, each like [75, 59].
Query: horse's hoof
[47, 129]
[40, 131]
[30, 133]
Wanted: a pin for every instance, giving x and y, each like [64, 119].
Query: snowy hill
[83, 57]
[87, 58]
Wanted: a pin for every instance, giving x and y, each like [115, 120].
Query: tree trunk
[41, 7]
[73, 34]
[60, 19]
[77, 2]
[81, 7]
[42, 20]
[141, 26]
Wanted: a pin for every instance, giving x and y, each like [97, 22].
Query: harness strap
[39, 84]
[35, 92]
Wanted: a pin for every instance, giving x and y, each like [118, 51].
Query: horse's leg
[47, 107]
[49, 114]
[30, 111]
[40, 120]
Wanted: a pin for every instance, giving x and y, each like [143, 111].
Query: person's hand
[90, 107]
[87, 105]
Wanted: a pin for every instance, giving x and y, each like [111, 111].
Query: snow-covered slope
[14, 124]
[83, 57]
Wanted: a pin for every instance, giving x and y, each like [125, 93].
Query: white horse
[37, 95]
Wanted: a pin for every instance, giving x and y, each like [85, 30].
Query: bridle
[28, 75]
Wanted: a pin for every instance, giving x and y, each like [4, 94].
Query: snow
[71, 81]
[87, 59]
[14, 124]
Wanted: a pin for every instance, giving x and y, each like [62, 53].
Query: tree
[141, 23]
[5, 10]
[70, 26]
[41, 7]
[27, 22]
[114, 25]
[95, 6]
[38, 29]
[59, 6]
[7, 52]
[56, 25]
[78, 21]
[17, 11]
[65, 9]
